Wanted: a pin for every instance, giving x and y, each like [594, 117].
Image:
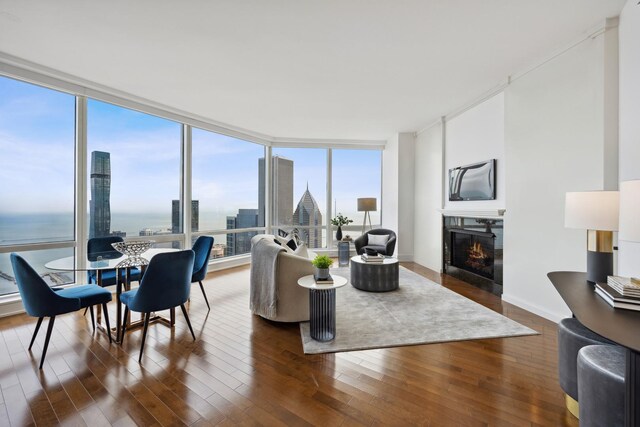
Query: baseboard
[542, 312]
[223, 264]
[9, 308]
[405, 257]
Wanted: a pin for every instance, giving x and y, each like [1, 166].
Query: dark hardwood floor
[245, 370]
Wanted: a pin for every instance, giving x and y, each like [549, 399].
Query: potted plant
[339, 221]
[322, 264]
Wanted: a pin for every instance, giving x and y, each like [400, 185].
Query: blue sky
[37, 160]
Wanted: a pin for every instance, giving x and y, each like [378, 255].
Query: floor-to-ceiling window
[227, 184]
[134, 178]
[356, 174]
[299, 188]
[135, 181]
[37, 170]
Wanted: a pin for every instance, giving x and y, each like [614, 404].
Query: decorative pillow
[302, 251]
[294, 235]
[282, 241]
[292, 244]
[377, 240]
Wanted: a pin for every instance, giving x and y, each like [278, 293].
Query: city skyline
[306, 212]
[37, 136]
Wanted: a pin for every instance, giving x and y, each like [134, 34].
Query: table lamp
[596, 212]
[630, 212]
[367, 204]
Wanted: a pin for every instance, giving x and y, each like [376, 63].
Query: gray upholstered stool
[572, 336]
[601, 388]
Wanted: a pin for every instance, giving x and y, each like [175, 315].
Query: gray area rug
[420, 312]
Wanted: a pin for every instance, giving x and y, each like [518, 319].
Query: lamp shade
[592, 210]
[367, 204]
[630, 211]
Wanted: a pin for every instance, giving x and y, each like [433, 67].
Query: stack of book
[372, 259]
[620, 292]
[323, 281]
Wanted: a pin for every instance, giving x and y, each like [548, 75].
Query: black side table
[322, 306]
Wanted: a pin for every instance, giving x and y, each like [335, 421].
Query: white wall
[398, 192]
[427, 247]
[475, 136]
[629, 253]
[390, 180]
[555, 137]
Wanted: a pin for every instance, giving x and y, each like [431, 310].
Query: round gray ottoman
[572, 336]
[601, 388]
[370, 277]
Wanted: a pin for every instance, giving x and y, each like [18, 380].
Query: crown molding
[597, 30]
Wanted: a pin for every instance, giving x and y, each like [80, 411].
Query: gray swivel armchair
[362, 242]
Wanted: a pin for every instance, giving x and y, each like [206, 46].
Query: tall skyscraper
[176, 218]
[99, 205]
[281, 191]
[308, 213]
[240, 243]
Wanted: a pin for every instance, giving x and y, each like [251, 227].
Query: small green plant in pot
[322, 264]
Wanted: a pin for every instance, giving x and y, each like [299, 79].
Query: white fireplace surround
[474, 213]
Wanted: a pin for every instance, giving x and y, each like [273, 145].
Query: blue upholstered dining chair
[166, 284]
[202, 248]
[101, 246]
[41, 301]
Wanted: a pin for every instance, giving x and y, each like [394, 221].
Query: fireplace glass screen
[473, 251]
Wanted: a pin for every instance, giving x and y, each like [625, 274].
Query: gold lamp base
[572, 406]
[600, 241]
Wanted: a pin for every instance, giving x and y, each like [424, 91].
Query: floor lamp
[596, 212]
[366, 205]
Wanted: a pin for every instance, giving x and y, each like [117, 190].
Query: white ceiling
[290, 68]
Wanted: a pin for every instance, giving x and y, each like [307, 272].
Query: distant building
[146, 232]
[119, 233]
[218, 250]
[99, 205]
[240, 243]
[307, 213]
[281, 191]
[176, 218]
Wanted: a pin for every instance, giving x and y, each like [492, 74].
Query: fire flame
[476, 252]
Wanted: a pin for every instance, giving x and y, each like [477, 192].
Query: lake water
[55, 227]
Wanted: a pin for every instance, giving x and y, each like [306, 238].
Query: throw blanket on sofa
[264, 290]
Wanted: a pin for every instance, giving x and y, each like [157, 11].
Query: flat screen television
[473, 182]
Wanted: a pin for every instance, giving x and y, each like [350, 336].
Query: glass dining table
[101, 262]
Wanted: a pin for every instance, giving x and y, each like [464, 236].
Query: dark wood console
[619, 325]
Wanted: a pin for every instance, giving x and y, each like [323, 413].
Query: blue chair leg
[93, 319]
[186, 316]
[204, 294]
[123, 328]
[33, 338]
[106, 320]
[144, 334]
[46, 340]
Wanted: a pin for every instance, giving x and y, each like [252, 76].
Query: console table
[618, 325]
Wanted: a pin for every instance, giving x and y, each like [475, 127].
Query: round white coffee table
[322, 306]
